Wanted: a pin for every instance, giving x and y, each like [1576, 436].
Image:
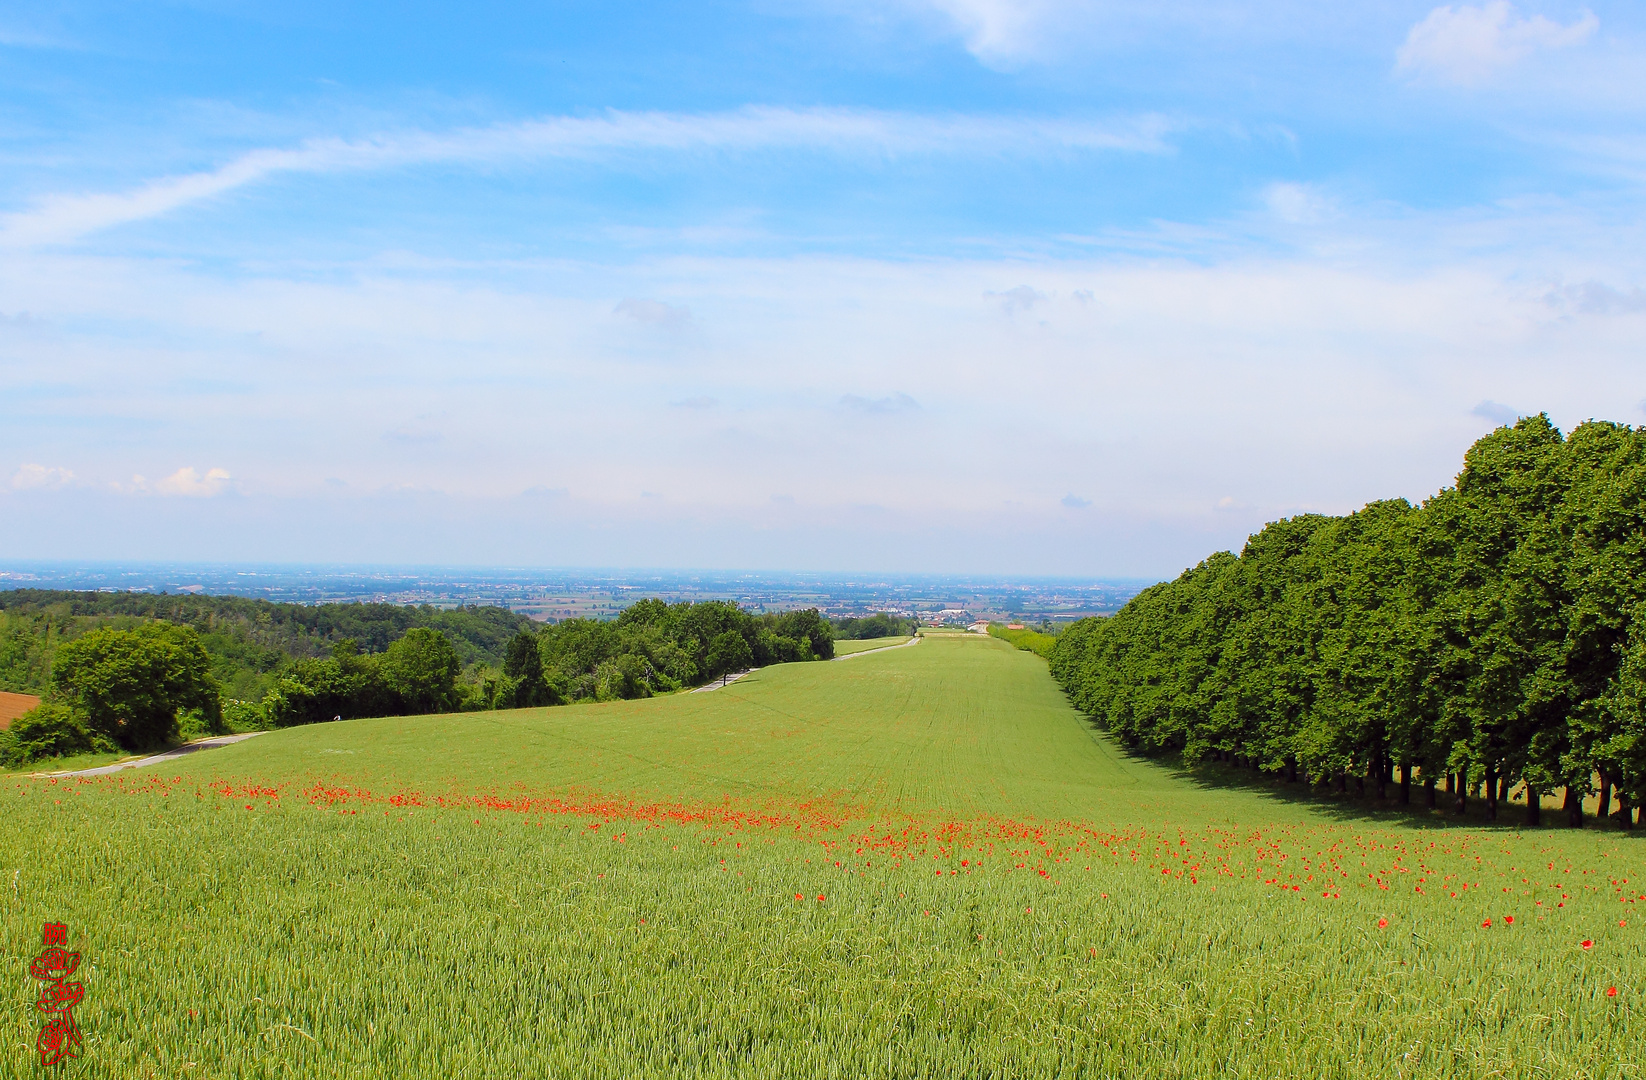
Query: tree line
[652, 647]
[249, 641]
[880, 624]
[1489, 642]
[138, 685]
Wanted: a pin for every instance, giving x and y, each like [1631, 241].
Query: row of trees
[1494, 636]
[142, 686]
[652, 647]
[251, 642]
[880, 624]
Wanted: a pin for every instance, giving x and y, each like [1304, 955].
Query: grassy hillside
[915, 863]
[847, 647]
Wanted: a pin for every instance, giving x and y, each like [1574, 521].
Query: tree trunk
[1291, 770]
[1462, 800]
[1342, 782]
[1574, 807]
[1503, 789]
[1429, 792]
[1360, 786]
[1451, 783]
[1534, 805]
[1405, 785]
[1626, 813]
[1382, 777]
[1603, 808]
[1490, 785]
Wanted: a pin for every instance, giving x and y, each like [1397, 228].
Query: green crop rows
[918, 863]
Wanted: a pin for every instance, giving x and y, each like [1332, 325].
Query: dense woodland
[248, 640]
[1494, 636]
[653, 647]
[880, 624]
[132, 671]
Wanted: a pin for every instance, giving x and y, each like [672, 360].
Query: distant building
[979, 627]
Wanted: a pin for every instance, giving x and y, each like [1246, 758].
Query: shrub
[50, 730]
[130, 685]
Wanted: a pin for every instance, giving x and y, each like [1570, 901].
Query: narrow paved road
[169, 755]
[729, 680]
[883, 648]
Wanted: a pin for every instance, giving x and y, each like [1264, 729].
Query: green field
[918, 863]
[846, 648]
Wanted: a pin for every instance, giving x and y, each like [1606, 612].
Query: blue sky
[934, 285]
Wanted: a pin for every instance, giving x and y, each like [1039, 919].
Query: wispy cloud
[896, 403]
[40, 477]
[1470, 45]
[63, 217]
[189, 483]
[1023, 298]
[1597, 298]
[1298, 204]
[654, 312]
[998, 31]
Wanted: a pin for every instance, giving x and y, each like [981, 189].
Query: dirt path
[169, 755]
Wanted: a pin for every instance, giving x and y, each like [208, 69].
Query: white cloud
[1469, 45]
[63, 217]
[1324, 377]
[189, 483]
[40, 477]
[654, 312]
[1298, 204]
[998, 31]
[1023, 298]
[1597, 298]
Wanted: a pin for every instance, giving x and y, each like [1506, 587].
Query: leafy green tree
[523, 665]
[1495, 635]
[727, 653]
[130, 685]
[421, 669]
[1604, 518]
[881, 624]
[811, 630]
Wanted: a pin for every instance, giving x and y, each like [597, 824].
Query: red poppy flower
[1508, 920]
[1487, 925]
[819, 898]
[1587, 944]
[1611, 991]
[1383, 924]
